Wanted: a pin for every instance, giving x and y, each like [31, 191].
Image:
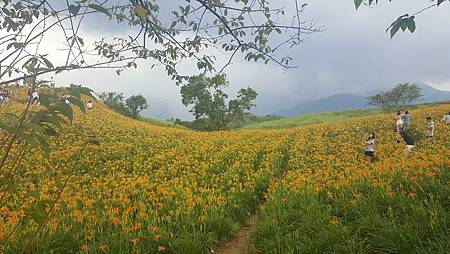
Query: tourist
[406, 118]
[430, 128]
[89, 105]
[409, 142]
[34, 97]
[369, 152]
[446, 118]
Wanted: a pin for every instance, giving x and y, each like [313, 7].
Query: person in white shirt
[35, 97]
[399, 122]
[430, 128]
[369, 152]
[89, 105]
[52, 82]
[446, 119]
[66, 99]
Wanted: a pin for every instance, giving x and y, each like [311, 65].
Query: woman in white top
[369, 152]
[430, 128]
[446, 119]
[89, 105]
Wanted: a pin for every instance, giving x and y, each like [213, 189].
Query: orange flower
[103, 248]
[334, 220]
[84, 247]
[134, 241]
[161, 248]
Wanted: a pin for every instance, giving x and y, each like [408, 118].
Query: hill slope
[348, 101]
[151, 189]
[315, 118]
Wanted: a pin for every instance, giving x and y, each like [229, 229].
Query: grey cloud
[353, 55]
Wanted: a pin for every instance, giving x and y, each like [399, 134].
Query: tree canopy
[129, 107]
[160, 32]
[397, 97]
[208, 100]
[136, 103]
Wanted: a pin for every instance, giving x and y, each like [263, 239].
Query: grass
[375, 223]
[326, 117]
[314, 118]
[160, 123]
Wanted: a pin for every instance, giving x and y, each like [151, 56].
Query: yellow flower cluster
[148, 181]
[332, 155]
[141, 179]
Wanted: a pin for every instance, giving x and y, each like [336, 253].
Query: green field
[315, 118]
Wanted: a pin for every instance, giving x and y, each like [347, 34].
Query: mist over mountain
[350, 101]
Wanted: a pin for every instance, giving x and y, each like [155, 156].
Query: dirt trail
[240, 243]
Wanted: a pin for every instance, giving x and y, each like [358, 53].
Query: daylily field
[149, 189]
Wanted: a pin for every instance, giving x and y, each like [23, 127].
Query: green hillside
[315, 118]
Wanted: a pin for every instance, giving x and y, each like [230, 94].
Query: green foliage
[259, 35]
[130, 107]
[136, 104]
[374, 223]
[209, 101]
[34, 126]
[396, 98]
[316, 118]
[403, 22]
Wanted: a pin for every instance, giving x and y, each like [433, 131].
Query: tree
[115, 101]
[403, 22]
[397, 97]
[244, 101]
[160, 32]
[209, 101]
[136, 104]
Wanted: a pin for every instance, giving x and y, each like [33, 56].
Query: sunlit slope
[314, 118]
[144, 187]
[150, 189]
[332, 201]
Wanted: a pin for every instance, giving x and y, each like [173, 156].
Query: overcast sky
[353, 55]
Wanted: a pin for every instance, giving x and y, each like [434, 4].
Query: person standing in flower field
[430, 128]
[406, 118]
[369, 152]
[446, 118]
[89, 105]
[409, 142]
[398, 125]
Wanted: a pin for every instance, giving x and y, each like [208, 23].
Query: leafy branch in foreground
[28, 131]
[403, 22]
[158, 32]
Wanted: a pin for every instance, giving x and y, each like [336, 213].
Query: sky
[353, 55]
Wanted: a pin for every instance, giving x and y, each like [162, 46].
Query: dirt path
[240, 243]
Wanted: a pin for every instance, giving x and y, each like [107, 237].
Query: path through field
[240, 243]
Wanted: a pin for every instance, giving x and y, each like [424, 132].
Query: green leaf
[48, 63]
[141, 12]
[65, 110]
[100, 9]
[411, 25]
[78, 103]
[74, 9]
[357, 3]
[37, 211]
[395, 29]
[439, 2]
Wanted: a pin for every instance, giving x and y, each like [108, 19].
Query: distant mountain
[348, 101]
[431, 94]
[333, 103]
